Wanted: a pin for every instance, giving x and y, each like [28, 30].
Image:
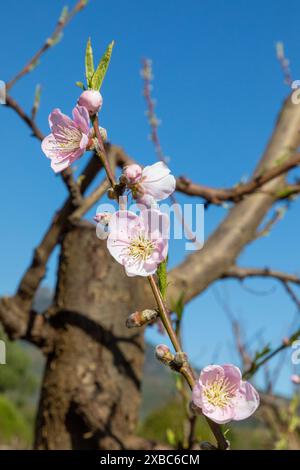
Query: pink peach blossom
[295, 379]
[91, 100]
[68, 139]
[139, 242]
[154, 180]
[223, 396]
[133, 173]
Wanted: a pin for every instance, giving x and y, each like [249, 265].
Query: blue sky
[218, 87]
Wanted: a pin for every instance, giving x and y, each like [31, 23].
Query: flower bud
[102, 229]
[295, 379]
[103, 133]
[180, 359]
[91, 100]
[103, 217]
[286, 341]
[163, 354]
[132, 173]
[137, 319]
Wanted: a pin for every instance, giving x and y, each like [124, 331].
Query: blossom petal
[157, 181]
[155, 172]
[121, 221]
[57, 118]
[197, 395]
[156, 223]
[233, 374]
[245, 402]
[59, 165]
[211, 374]
[81, 118]
[117, 247]
[50, 147]
[139, 268]
[84, 141]
[161, 189]
[219, 415]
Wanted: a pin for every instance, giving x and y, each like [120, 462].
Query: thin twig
[257, 364]
[236, 193]
[244, 273]
[186, 371]
[101, 152]
[153, 123]
[62, 22]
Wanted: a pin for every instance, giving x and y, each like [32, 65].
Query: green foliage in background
[169, 418]
[15, 427]
[19, 384]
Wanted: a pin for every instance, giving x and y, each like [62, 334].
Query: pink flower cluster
[151, 184]
[223, 396]
[70, 138]
[140, 242]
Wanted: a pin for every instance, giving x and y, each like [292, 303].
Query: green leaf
[262, 353]
[179, 382]
[100, 73]
[64, 14]
[89, 63]
[81, 85]
[171, 438]
[162, 278]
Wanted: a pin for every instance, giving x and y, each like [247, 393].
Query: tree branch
[50, 42]
[235, 194]
[243, 273]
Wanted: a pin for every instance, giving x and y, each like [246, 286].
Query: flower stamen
[219, 392]
[141, 248]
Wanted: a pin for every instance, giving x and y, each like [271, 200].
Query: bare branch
[287, 342]
[292, 294]
[243, 273]
[235, 194]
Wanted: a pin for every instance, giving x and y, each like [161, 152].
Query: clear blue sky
[218, 87]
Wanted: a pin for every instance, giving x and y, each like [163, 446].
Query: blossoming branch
[139, 242]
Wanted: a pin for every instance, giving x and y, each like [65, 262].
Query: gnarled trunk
[91, 388]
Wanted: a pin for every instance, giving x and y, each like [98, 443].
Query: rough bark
[91, 389]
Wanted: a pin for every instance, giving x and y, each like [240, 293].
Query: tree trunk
[91, 388]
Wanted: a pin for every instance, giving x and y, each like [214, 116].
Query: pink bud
[132, 173]
[91, 100]
[286, 341]
[295, 379]
[103, 218]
